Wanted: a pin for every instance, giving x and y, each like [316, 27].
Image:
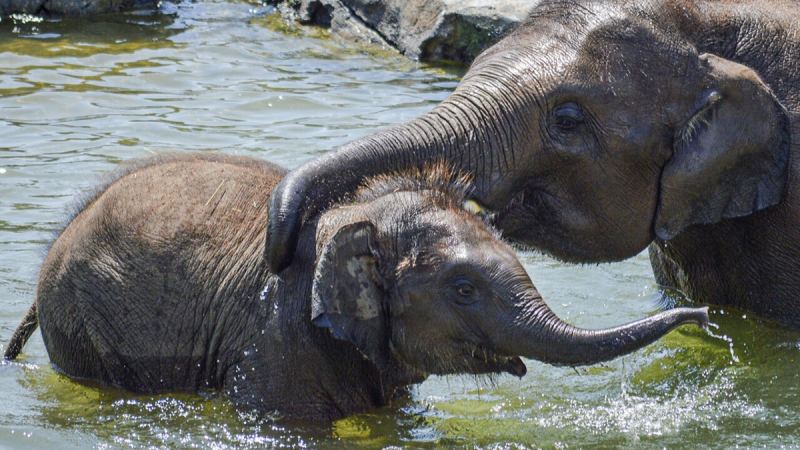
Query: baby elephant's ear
[347, 296]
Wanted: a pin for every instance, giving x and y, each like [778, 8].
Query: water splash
[26, 18]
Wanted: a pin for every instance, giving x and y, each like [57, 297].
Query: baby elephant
[159, 284]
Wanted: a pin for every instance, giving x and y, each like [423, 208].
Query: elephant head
[589, 131]
[415, 281]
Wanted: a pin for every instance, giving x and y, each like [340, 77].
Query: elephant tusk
[474, 207]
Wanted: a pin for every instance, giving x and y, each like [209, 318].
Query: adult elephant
[597, 128]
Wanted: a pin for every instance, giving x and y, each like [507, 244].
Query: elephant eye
[568, 116]
[464, 288]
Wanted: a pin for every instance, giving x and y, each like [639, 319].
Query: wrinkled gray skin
[598, 128]
[156, 285]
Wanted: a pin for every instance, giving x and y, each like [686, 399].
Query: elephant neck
[748, 262]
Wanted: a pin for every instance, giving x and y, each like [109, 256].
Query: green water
[79, 97]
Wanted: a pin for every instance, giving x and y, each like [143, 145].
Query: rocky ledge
[429, 30]
[49, 8]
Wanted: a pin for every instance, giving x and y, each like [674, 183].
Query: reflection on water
[77, 97]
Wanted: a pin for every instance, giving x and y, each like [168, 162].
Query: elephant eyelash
[699, 121]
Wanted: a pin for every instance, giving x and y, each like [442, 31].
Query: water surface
[78, 97]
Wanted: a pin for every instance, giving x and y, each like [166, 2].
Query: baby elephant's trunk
[21, 335]
[553, 341]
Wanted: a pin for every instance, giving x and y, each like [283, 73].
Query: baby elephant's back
[151, 286]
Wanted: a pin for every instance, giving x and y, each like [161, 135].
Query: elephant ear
[730, 159]
[347, 295]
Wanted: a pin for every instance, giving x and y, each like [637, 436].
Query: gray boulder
[71, 7]
[430, 30]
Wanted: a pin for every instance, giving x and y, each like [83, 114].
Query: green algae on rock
[428, 30]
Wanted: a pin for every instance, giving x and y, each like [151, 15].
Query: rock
[331, 14]
[71, 7]
[430, 30]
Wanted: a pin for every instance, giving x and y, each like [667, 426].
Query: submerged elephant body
[159, 284]
[599, 127]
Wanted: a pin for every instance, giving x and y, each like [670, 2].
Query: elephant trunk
[547, 338]
[454, 131]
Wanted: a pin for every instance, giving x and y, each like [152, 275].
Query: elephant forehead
[458, 250]
[482, 248]
[625, 48]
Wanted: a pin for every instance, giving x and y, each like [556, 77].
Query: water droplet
[723, 337]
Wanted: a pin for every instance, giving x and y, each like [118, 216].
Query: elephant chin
[531, 220]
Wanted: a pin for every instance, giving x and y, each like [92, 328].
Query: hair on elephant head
[412, 279]
[591, 129]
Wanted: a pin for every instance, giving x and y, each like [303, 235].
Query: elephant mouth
[486, 361]
[532, 220]
[530, 202]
